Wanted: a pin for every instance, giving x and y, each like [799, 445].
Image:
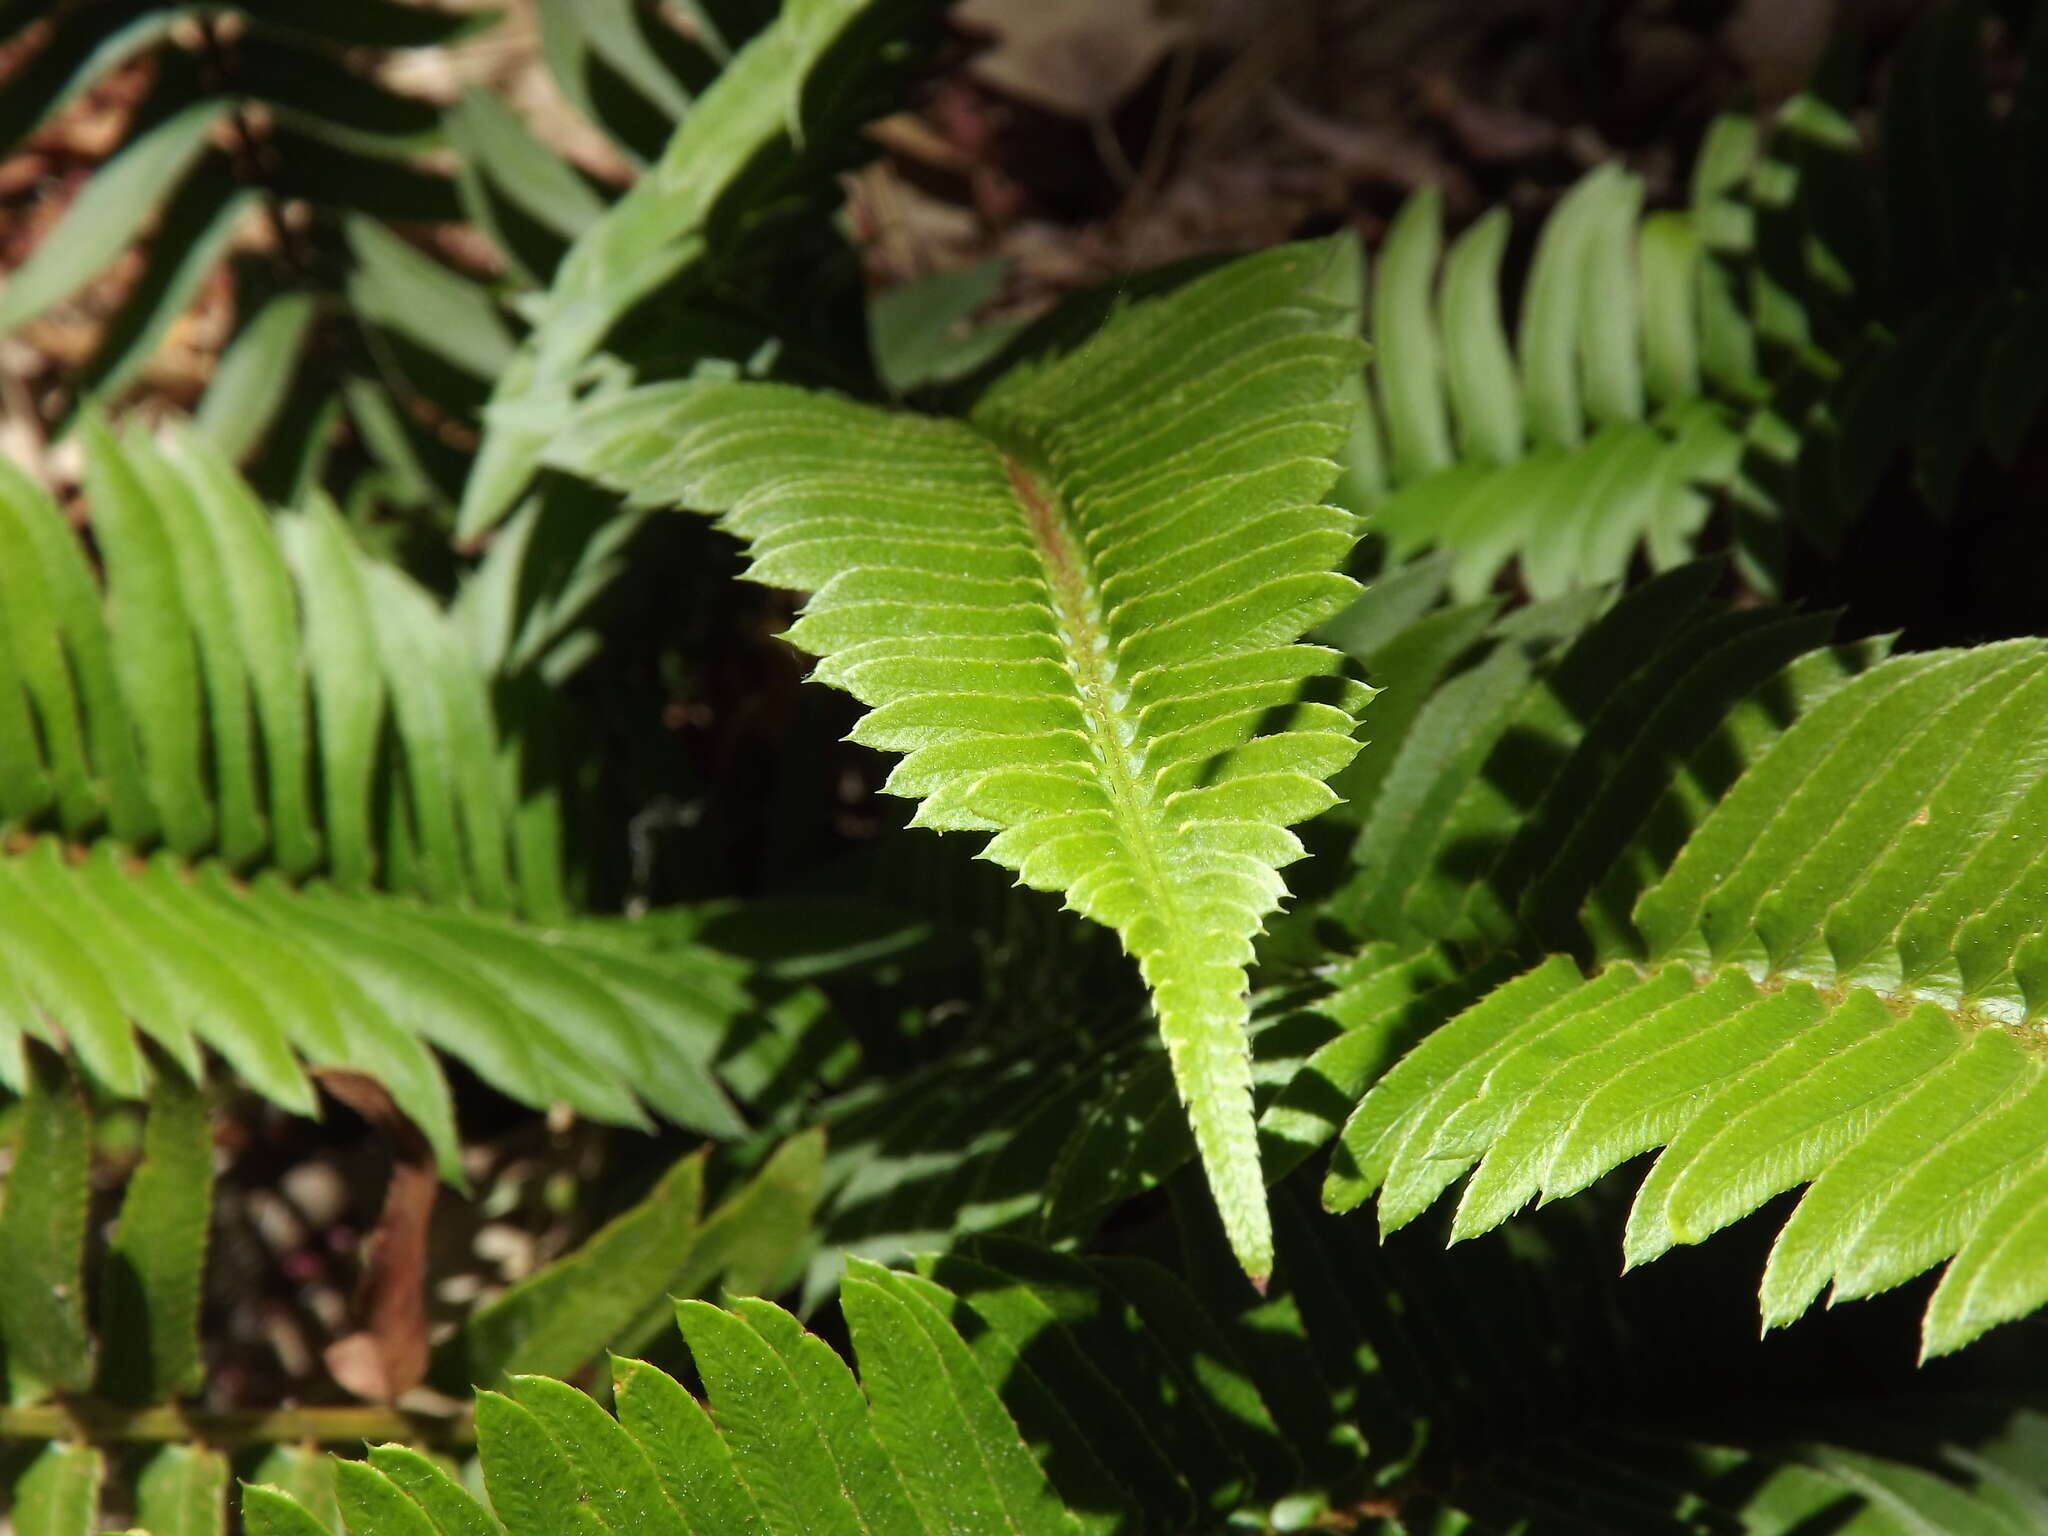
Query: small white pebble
[318, 1190]
[507, 1247]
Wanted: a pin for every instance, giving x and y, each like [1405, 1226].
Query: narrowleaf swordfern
[1077, 613]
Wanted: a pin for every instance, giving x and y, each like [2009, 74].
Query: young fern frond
[1076, 612]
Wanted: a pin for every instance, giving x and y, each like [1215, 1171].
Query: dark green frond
[1011, 1388]
[1774, 345]
[792, 93]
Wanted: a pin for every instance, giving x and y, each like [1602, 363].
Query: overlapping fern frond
[1011, 1388]
[292, 829]
[1076, 612]
[782, 116]
[1556, 728]
[1792, 900]
[1827, 969]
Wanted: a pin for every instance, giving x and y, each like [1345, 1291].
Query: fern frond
[1526, 804]
[291, 829]
[1588, 436]
[1076, 614]
[1016, 1389]
[1840, 982]
[157, 715]
[775, 99]
[1775, 343]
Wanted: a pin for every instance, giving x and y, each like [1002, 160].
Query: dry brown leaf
[1779, 42]
[1079, 58]
[1361, 152]
[386, 1357]
[1484, 131]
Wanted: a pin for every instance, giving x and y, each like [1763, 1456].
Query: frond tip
[1076, 614]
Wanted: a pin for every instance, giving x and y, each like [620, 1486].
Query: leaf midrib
[1084, 634]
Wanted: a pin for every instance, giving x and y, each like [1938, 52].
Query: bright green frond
[1076, 614]
[1843, 977]
[203, 796]
[160, 714]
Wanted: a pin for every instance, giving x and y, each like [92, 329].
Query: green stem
[101, 1422]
